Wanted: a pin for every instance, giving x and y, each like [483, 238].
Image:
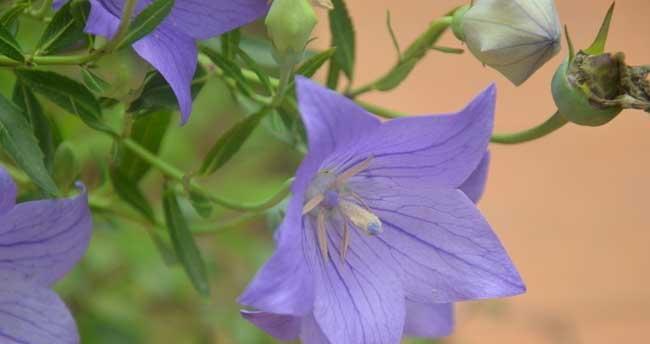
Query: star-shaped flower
[40, 242]
[379, 239]
[171, 47]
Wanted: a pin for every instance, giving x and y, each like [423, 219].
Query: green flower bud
[514, 37]
[290, 24]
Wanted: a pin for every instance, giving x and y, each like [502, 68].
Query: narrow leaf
[311, 65]
[9, 47]
[63, 31]
[94, 82]
[572, 51]
[598, 46]
[184, 244]
[201, 204]
[229, 68]
[148, 130]
[393, 37]
[157, 94]
[255, 67]
[147, 21]
[67, 93]
[230, 43]
[343, 37]
[130, 192]
[17, 139]
[42, 128]
[229, 143]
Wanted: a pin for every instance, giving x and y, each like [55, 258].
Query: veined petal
[284, 327]
[7, 192]
[41, 241]
[202, 19]
[34, 315]
[311, 333]
[174, 55]
[474, 186]
[431, 151]
[358, 299]
[284, 284]
[101, 21]
[333, 122]
[445, 249]
[428, 320]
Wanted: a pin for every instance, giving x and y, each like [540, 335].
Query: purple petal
[284, 327]
[441, 151]
[174, 55]
[202, 19]
[7, 192]
[445, 249]
[332, 121]
[358, 299]
[429, 320]
[101, 21]
[311, 333]
[34, 315]
[474, 186]
[284, 284]
[41, 241]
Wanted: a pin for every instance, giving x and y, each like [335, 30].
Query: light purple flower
[171, 48]
[415, 242]
[40, 242]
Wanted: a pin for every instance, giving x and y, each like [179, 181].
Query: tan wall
[572, 209]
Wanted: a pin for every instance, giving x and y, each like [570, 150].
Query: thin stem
[179, 176]
[552, 124]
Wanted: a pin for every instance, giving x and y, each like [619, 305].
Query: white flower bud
[515, 37]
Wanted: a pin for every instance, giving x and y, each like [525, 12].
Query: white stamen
[321, 233]
[361, 218]
[353, 171]
[313, 203]
[346, 238]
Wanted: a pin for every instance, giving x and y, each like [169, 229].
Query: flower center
[328, 196]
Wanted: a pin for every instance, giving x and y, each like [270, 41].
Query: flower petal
[445, 249]
[34, 315]
[41, 241]
[433, 151]
[311, 333]
[284, 284]
[474, 186]
[174, 55]
[284, 327]
[332, 120]
[101, 21]
[202, 19]
[7, 192]
[429, 320]
[358, 299]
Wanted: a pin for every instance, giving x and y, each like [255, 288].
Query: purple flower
[40, 242]
[171, 48]
[379, 239]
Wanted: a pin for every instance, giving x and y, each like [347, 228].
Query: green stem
[552, 124]
[179, 176]
[380, 111]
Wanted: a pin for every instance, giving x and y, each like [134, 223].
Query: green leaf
[147, 21]
[257, 69]
[94, 82]
[130, 192]
[572, 50]
[9, 47]
[42, 128]
[393, 37]
[157, 94]
[311, 65]
[8, 19]
[66, 168]
[67, 93]
[17, 139]
[229, 143]
[343, 37]
[148, 130]
[333, 75]
[398, 74]
[230, 43]
[598, 46]
[64, 30]
[229, 68]
[184, 244]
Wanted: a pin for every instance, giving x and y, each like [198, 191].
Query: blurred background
[570, 208]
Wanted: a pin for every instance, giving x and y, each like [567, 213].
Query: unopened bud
[514, 37]
[290, 24]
